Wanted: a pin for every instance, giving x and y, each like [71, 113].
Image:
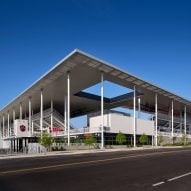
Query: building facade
[49, 104]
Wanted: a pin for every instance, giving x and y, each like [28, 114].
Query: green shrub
[89, 140]
[45, 140]
[143, 139]
[120, 138]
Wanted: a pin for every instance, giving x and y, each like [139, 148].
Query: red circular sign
[22, 128]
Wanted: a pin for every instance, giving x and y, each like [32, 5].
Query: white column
[51, 115]
[65, 114]
[41, 112]
[1, 130]
[181, 122]
[102, 110]
[134, 116]
[8, 124]
[3, 125]
[172, 124]
[139, 105]
[21, 111]
[185, 120]
[13, 119]
[30, 123]
[13, 115]
[68, 107]
[156, 120]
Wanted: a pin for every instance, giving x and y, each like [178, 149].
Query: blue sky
[150, 38]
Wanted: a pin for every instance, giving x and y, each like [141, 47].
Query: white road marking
[159, 183]
[178, 177]
[172, 179]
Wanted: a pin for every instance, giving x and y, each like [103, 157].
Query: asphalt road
[165, 169]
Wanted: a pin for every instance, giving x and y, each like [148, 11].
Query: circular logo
[22, 128]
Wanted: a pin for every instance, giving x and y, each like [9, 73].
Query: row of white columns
[67, 109]
[67, 114]
[9, 132]
[2, 128]
[156, 118]
[172, 119]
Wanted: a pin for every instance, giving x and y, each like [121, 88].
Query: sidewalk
[79, 152]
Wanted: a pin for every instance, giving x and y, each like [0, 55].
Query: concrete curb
[77, 152]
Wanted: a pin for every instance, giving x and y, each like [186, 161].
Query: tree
[45, 140]
[160, 139]
[89, 140]
[143, 139]
[120, 138]
[184, 139]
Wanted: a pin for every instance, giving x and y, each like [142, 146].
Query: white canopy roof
[85, 71]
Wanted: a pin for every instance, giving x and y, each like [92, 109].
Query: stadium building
[52, 101]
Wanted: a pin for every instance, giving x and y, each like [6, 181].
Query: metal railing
[168, 134]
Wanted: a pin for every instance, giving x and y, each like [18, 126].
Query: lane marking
[178, 177]
[87, 162]
[159, 183]
[172, 179]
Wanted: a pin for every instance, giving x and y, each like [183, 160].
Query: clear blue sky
[150, 38]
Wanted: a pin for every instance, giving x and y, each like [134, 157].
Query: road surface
[161, 169]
